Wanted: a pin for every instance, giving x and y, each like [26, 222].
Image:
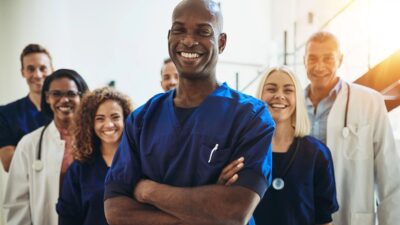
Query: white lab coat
[31, 195]
[366, 162]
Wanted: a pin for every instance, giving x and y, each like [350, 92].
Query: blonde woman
[303, 184]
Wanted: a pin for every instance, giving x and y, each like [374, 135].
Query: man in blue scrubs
[175, 146]
[23, 116]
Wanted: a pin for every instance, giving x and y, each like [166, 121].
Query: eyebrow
[273, 84]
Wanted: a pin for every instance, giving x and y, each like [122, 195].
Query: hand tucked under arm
[123, 210]
[6, 154]
[213, 204]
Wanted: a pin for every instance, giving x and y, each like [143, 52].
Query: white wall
[124, 40]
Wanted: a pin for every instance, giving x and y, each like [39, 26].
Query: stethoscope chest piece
[345, 132]
[278, 183]
[37, 165]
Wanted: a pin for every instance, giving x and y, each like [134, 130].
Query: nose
[109, 123]
[279, 96]
[189, 41]
[37, 74]
[64, 99]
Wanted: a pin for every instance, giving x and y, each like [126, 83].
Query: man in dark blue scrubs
[23, 116]
[175, 146]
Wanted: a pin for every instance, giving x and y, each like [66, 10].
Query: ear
[221, 42]
[22, 72]
[169, 33]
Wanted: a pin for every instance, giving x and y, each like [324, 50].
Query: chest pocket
[211, 162]
[356, 145]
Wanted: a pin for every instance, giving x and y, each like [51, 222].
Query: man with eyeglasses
[23, 116]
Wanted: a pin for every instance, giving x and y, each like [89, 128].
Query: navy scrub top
[19, 118]
[309, 195]
[224, 127]
[81, 198]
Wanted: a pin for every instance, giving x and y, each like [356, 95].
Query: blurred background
[125, 41]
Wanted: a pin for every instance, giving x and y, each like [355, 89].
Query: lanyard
[278, 183]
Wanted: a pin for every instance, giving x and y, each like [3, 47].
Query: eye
[43, 68]
[289, 90]
[98, 118]
[30, 69]
[205, 32]
[177, 30]
[116, 117]
[72, 94]
[55, 94]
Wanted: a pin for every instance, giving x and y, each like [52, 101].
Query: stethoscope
[345, 131]
[38, 164]
[278, 182]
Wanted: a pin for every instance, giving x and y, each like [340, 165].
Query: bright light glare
[384, 32]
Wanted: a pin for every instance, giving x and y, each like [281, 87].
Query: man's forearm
[126, 211]
[213, 204]
[6, 154]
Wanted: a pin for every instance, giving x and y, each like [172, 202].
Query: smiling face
[195, 39]
[64, 98]
[109, 122]
[280, 95]
[322, 60]
[35, 68]
[169, 76]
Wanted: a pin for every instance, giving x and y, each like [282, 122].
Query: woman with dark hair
[97, 132]
[43, 156]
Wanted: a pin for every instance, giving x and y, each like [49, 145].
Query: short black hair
[34, 48]
[58, 74]
[166, 61]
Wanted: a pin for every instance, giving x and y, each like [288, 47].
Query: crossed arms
[155, 203]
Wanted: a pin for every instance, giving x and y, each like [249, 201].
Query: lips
[278, 106]
[109, 132]
[65, 108]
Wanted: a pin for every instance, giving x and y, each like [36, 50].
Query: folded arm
[213, 204]
[123, 210]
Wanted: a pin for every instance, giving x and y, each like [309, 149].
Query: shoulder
[365, 91]
[11, 108]
[241, 99]
[315, 146]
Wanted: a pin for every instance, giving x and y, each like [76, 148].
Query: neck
[283, 136]
[317, 93]
[62, 124]
[191, 93]
[107, 151]
[35, 98]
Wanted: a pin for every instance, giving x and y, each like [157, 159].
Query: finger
[232, 180]
[228, 175]
[232, 165]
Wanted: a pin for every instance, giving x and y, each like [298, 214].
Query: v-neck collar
[171, 108]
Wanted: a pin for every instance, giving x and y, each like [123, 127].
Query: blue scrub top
[81, 198]
[309, 195]
[155, 145]
[19, 118]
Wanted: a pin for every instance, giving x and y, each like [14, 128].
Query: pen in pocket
[212, 152]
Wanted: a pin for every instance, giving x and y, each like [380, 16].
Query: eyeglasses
[68, 94]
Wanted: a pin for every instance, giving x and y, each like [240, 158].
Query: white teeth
[281, 106]
[111, 132]
[64, 108]
[190, 55]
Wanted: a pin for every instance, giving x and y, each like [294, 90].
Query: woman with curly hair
[98, 130]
